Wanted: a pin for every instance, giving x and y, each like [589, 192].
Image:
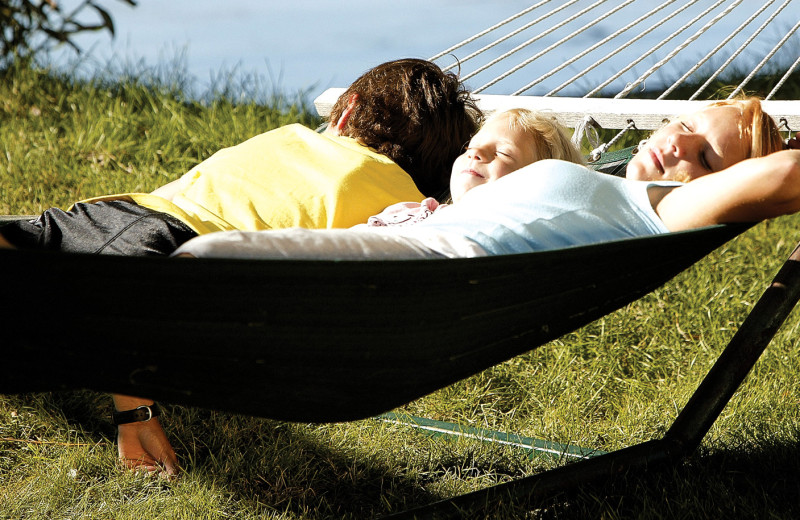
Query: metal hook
[784, 123]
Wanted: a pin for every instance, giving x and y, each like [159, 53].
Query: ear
[342, 122]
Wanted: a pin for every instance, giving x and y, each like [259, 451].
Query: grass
[616, 382]
[65, 140]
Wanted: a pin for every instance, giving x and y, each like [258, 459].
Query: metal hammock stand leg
[684, 435]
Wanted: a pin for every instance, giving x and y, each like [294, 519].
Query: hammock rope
[589, 50]
[587, 129]
[614, 45]
[616, 52]
[651, 51]
[509, 35]
[783, 79]
[738, 51]
[608, 41]
[716, 49]
[678, 49]
[604, 147]
[765, 60]
[485, 32]
[534, 40]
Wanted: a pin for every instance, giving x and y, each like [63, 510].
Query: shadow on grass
[753, 482]
[311, 471]
[307, 470]
[361, 471]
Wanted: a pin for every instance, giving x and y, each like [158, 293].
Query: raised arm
[749, 191]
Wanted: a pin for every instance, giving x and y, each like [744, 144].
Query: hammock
[320, 341]
[312, 340]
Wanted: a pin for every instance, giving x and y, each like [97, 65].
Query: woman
[734, 140]
[706, 141]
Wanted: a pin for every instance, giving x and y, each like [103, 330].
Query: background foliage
[28, 27]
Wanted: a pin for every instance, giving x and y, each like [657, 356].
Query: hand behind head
[794, 142]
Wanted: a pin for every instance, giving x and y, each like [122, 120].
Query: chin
[635, 172]
[638, 172]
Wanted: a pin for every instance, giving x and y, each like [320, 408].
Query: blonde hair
[759, 132]
[548, 139]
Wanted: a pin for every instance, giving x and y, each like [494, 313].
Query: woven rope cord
[628, 88]
[716, 49]
[764, 61]
[614, 46]
[525, 44]
[548, 49]
[622, 47]
[512, 33]
[738, 51]
[486, 31]
[592, 48]
[651, 51]
[784, 78]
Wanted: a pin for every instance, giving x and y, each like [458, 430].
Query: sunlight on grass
[613, 383]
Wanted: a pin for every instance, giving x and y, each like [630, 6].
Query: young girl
[506, 142]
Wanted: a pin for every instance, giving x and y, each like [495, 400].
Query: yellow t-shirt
[288, 177]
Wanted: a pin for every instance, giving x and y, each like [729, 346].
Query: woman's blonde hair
[759, 132]
[548, 139]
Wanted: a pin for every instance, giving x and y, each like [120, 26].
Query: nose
[682, 143]
[476, 154]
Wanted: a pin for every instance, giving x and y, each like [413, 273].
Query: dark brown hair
[415, 114]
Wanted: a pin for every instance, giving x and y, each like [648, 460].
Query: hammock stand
[312, 341]
[681, 439]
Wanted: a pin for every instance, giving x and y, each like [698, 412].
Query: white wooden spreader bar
[608, 113]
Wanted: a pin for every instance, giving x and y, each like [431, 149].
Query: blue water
[309, 45]
[306, 45]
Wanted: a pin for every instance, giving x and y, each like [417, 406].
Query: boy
[391, 137]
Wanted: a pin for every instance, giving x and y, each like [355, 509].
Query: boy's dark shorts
[110, 228]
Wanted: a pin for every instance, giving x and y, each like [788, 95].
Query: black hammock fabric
[309, 341]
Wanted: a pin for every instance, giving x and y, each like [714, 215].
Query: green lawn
[616, 382]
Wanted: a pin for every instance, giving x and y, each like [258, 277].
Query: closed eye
[704, 161]
[702, 158]
[507, 152]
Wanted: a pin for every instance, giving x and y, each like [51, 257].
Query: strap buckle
[141, 413]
